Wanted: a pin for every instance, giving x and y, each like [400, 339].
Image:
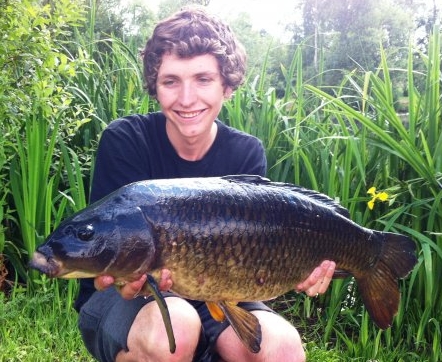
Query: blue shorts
[106, 318]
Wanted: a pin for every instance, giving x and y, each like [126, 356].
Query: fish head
[110, 237]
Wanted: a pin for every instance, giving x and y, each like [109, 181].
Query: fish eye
[86, 233]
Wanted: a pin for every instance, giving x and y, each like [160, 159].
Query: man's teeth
[189, 114]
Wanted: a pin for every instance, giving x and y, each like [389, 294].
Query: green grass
[42, 326]
[38, 327]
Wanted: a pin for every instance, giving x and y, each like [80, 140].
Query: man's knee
[283, 339]
[280, 342]
[148, 339]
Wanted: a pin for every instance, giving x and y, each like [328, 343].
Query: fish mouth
[54, 268]
[45, 265]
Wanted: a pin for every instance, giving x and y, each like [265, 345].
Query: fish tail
[379, 289]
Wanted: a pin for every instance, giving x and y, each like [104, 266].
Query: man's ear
[228, 91]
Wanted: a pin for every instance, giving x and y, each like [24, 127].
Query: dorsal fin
[323, 199]
[314, 195]
[254, 179]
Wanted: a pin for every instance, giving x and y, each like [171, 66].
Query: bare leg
[147, 339]
[280, 342]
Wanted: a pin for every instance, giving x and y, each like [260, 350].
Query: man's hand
[319, 280]
[131, 290]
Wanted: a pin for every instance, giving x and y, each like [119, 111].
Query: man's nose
[187, 95]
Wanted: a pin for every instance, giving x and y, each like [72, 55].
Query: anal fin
[245, 324]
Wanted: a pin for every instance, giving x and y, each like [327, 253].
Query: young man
[192, 64]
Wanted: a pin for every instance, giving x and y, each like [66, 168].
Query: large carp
[225, 240]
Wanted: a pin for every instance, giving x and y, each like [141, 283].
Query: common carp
[225, 240]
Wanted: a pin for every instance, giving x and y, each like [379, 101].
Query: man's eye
[204, 80]
[168, 83]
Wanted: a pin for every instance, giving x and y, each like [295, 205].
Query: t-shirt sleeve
[241, 153]
[254, 161]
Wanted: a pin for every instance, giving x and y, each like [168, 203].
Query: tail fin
[379, 289]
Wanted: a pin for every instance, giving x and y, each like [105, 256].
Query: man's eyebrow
[198, 74]
[208, 74]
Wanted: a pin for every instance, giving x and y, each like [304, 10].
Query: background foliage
[352, 101]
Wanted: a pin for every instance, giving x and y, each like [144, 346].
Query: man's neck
[193, 149]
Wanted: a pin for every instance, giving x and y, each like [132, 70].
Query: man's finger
[319, 280]
[311, 281]
[132, 289]
[102, 282]
[165, 282]
[328, 275]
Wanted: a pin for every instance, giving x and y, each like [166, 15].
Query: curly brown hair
[191, 32]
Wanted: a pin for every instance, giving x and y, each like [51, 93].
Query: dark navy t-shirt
[136, 148]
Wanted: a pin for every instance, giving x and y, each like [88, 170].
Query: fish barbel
[225, 240]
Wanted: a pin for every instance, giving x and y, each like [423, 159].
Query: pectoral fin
[245, 325]
[152, 286]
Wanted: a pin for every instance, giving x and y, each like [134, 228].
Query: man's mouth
[189, 114]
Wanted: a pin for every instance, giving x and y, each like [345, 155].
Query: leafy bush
[37, 120]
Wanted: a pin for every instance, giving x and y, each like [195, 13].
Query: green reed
[405, 161]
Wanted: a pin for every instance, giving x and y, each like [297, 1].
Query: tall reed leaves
[36, 178]
[407, 165]
[31, 180]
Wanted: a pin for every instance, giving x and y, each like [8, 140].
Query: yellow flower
[381, 196]
[372, 190]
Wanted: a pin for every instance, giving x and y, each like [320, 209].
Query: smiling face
[191, 92]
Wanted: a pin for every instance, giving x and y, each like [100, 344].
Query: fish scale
[225, 240]
[263, 246]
